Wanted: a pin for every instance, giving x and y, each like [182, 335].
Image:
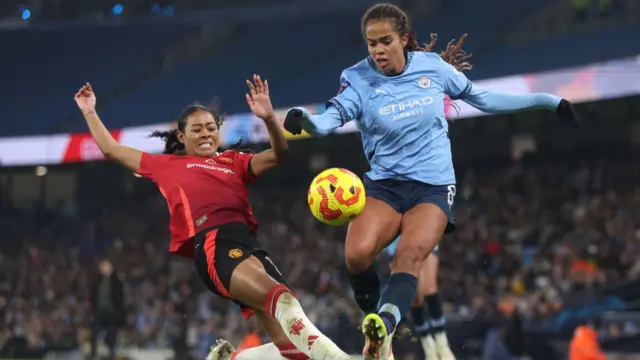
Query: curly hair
[452, 54]
[172, 144]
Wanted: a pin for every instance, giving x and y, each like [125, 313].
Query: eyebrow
[205, 124]
[381, 38]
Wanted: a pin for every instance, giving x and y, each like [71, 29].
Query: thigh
[422, 228]
[231, 266]
[372, 230]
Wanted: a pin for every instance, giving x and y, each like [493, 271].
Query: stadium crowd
[526, 234]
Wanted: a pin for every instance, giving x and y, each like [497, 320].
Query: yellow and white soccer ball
[336, 196]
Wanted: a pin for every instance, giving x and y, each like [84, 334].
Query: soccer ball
[336, 196]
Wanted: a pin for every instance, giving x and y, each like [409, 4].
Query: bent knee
[359, 257]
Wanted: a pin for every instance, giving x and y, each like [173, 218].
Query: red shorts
[218, 251]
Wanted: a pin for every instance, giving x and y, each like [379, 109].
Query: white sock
[284, 307]
[267, 351]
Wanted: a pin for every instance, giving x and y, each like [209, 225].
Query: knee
[409, 259]
[429, 288]
[359, 256]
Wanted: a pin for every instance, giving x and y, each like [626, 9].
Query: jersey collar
[406, 65]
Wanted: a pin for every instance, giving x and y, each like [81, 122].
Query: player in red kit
[211, 219]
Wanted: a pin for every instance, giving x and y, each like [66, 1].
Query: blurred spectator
[107, 303]
[585, 345]
[529, 236]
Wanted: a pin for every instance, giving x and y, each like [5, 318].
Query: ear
[404, 40]
[180, 136]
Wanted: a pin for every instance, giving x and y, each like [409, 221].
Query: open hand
[86, 99]
[259, 100]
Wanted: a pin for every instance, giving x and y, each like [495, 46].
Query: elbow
[283, 156]
[111, 152]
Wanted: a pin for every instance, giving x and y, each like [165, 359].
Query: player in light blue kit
[396, 97]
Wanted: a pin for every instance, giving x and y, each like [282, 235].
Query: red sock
[272, 298]
[290, 352]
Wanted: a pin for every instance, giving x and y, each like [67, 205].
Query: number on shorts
[274, 265]
[451, 194]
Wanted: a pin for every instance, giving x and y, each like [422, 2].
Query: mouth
[205, 145]
[382, 63]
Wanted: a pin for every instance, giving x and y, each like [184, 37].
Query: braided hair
[452, 54]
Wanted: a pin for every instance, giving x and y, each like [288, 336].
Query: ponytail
[172, 144]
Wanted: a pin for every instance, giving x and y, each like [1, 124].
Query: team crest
[424, 82]
[224, 160]
[235, 253]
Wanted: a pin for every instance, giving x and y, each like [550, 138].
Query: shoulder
[357, 76]
[360, 69]
[427, 59]
[233, 158]
[232, 154]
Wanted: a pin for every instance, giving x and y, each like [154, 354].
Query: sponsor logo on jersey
[211, 167]
[406, 109]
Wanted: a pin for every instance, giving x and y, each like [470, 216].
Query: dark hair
[453, 53]
[172, 143]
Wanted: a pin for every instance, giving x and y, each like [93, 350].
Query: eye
[332, 188]
[352, 190]
[196, 130]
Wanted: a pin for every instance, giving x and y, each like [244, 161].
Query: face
[201, 135]
[386, 46]
[106, 268]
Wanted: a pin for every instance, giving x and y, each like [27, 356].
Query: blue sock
[420, 322]
[366, 289]
[436, 315]
[397, 299]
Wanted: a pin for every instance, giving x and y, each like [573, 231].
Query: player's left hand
[259, 100]
[566, 111]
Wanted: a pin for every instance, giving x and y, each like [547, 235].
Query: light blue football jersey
[402, 118]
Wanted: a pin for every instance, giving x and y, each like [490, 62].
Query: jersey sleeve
[456, 84]
[347, 101]
[242, 163]
[151, 165]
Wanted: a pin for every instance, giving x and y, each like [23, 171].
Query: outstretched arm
[496, 102]
[260, 103]
[124, 155]
[341, 109]
[316, 125]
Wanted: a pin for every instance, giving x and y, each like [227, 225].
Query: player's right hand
[293, 120]
[566, 111]
[86, 99]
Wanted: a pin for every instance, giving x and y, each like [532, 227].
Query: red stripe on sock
[272, 298]
[289, 351]
[287, 347]
[234, 354]
[312, 339]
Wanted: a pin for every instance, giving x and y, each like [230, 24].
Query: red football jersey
[201, 192]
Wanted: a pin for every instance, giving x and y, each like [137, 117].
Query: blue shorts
[403, 195]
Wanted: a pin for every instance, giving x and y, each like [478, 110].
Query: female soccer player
[429, 321]
[211, 219]
[396, 96]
